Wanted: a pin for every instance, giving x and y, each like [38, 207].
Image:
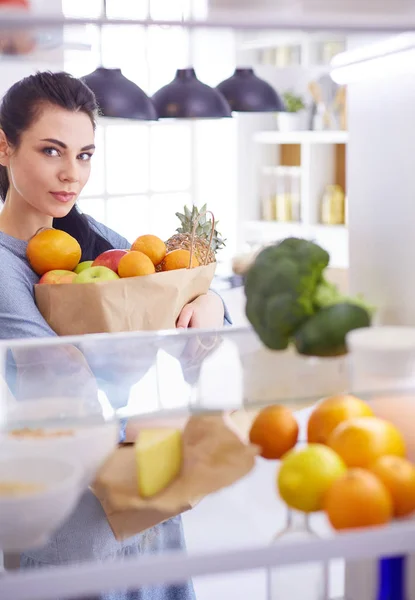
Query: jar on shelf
[288, 194]
[267, 56]
[267, 194]
[287, 56]
[283, 200]
[281, 194]
[330, 49]
[295, 186]
[333, 206]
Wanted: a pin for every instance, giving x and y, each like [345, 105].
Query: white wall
[381, 183]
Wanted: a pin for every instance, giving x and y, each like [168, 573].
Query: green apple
[83, 265]
[94, 274]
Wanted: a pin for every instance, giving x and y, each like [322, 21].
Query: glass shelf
[83, 380]
[94, 379]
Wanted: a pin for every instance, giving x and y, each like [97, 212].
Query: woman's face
[52, 163]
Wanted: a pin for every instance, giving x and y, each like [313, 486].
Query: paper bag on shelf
[132, 304]
[214, 458]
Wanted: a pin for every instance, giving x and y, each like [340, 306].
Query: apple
[83, 265]
[94, 274]
[109, 259]
[58, 276]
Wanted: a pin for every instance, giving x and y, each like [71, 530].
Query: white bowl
[27, 519]
[86, 445]
[382, 357]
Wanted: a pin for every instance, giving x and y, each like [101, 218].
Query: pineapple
[183, 236]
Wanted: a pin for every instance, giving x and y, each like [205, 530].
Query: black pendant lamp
[246, 92]
[118, 97]
[188, 98]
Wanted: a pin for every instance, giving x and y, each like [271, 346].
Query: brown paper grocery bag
[214, 458]
[150, 302]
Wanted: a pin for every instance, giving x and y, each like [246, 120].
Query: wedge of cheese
[159, 457]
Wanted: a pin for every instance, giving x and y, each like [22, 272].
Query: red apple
[58, 276]
[109, 259]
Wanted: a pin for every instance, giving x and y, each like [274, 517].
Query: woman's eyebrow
[64, 146]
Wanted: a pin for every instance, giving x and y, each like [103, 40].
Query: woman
[46, 145]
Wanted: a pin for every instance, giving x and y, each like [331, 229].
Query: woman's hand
[206, 312]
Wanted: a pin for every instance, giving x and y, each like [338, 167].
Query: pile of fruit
[55, 255]
[354, 466]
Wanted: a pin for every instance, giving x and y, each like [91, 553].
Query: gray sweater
[86, 535]
[19, 316]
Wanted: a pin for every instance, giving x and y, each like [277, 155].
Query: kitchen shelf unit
[297, 49]
[320, 156]
[334, 238]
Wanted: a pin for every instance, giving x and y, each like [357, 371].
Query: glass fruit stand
[64, 402]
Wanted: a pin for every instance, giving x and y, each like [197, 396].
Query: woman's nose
[69, 172]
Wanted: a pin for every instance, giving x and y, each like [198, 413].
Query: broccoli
[288, 299]
[327, 294]
[280, 288]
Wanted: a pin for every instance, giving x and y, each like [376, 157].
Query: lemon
[306, 474]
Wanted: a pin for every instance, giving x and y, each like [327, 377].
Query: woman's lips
[63, 196]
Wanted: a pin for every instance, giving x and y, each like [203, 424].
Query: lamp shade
[246, 92]
[119, 97]
[188, 98]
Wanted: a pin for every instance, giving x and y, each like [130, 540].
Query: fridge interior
[331, 181]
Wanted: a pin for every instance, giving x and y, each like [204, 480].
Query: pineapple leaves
[204, 228]
[187, 213]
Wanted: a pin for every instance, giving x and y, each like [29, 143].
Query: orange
[152, 246]
[357, 499]
[179, 259]
[398, 476]
[135, 263]
[362, 440]
[398, 409]
[332, 411]
[275, 431]
[52, 249]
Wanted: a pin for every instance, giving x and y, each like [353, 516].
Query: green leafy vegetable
[286, 289]
[280, 288]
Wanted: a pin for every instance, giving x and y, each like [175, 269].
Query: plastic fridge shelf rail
[91, 578]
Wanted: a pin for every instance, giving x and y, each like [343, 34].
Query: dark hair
[20, 107]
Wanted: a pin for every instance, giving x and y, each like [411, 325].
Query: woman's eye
[51, 151]
[85, 156]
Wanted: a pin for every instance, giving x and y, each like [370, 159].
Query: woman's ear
[4, 149]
